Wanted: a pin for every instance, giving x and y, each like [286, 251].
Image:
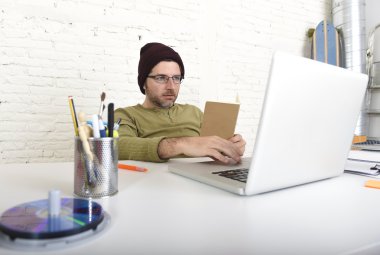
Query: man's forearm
[170, 147]
[208, 146]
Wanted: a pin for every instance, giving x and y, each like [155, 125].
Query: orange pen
[132, 168]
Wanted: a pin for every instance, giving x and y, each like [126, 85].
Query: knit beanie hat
[150, 55]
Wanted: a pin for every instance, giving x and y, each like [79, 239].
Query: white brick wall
[50, 49]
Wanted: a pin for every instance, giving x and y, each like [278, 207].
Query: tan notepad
[219, 119]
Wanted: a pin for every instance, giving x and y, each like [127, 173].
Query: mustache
[169, 93]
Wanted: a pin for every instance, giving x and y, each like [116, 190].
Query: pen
[73, 115]
[132, 168]
[110, 119]
[95, 126]
[102, 129]
[117, 124]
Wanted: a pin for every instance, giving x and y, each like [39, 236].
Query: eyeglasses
[163, 79]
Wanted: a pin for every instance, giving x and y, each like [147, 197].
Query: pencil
[73, 115]
[131, 167]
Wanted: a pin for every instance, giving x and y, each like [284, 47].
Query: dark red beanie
[150, 55]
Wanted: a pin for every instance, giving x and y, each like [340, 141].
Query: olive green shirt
[141, 129]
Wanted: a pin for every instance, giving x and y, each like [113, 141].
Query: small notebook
[219, 119]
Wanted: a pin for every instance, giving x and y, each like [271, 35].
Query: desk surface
[158, 212]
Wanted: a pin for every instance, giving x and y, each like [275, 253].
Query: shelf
[374, 87]
[373, 111]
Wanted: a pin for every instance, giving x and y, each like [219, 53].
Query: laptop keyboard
[240, 174]
[369, 142]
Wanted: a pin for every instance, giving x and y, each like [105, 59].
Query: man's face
[162, 95]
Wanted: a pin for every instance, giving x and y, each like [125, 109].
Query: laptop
[305, 132]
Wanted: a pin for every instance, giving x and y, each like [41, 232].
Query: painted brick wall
[50, 49]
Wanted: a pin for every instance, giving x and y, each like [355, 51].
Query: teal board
[320, 42]
[325, 47]
[331, 45]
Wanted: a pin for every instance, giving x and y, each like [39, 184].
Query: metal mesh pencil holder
[96, 178]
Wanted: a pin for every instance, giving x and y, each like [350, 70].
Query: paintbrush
[101, 108]
[84, 133]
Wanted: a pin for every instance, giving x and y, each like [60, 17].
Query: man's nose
[170, 84]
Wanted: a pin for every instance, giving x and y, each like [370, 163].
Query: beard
[159, 100]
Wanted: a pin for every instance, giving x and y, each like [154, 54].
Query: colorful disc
[31, 220]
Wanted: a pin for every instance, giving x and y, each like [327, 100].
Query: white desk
[161, 213]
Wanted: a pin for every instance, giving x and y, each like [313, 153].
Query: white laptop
[305, 133]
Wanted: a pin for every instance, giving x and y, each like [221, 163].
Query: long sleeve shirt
[141, 129]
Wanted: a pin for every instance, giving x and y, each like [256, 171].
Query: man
[160, 129]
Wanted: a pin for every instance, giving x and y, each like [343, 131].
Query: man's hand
[238, 141]
[208, 146]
